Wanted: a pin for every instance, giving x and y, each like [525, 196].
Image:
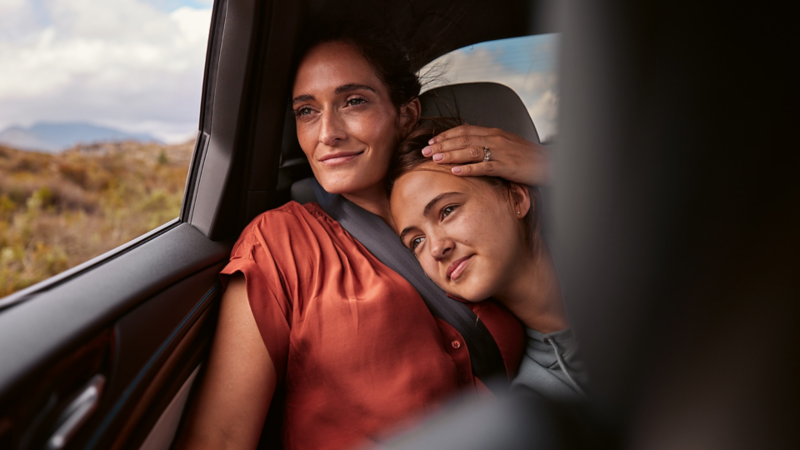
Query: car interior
[105, 355]
[112, 347]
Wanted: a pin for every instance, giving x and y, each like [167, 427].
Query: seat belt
[374, 234]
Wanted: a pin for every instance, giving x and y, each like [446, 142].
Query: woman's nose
[441, 247]
[331, 129]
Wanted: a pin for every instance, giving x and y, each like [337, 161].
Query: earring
[517, 212]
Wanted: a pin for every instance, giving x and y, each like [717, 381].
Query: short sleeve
[265, 291]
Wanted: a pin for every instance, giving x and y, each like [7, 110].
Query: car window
[526, 64]
[99, 105]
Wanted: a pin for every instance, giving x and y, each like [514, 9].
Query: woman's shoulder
[282, 224]
[291, 217]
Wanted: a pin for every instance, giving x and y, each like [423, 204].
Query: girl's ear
[520, 199]
[409, 115]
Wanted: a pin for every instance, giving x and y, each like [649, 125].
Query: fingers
[467, 155]
[472, 144]
[462, 130]
[475, 170]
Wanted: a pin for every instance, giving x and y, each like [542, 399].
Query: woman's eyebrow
[339, 90]
[352, 87]
[302, 98]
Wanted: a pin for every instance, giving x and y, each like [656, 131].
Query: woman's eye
[415, 242]
[302, 111]
[355, 101]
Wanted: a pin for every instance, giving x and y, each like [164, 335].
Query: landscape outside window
[99, 102]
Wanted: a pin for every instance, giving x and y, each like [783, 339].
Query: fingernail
[456, 169]
[438, 157]
[431, 141]
[426, 151]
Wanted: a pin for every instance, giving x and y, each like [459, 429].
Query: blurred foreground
[60, 210]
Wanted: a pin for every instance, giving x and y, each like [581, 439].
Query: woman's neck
[374, 200]
[534, 293]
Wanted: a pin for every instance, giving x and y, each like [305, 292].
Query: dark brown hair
[409, 156]
[395, 62]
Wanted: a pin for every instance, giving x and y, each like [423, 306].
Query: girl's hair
[395, 62]
[409, 156]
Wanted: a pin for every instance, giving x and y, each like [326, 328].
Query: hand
[512, 157]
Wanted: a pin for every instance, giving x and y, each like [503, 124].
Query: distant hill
[53, 137]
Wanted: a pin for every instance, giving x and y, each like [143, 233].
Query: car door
[93, 357]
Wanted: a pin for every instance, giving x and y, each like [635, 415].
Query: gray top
[551, 366]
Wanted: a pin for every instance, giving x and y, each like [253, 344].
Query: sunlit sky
[137, 65]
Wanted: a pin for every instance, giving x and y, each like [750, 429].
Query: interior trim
[133, 385]
[163, 433]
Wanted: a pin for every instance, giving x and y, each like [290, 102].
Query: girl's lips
[457, 267]
[339, 158]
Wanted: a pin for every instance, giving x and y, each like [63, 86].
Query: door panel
[126, 319]
[138, 321]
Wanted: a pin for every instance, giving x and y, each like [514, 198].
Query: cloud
[124, 64]
[523, 64]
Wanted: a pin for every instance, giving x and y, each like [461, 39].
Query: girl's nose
[441, 247]
[331, 129]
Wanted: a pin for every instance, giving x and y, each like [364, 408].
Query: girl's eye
[355, 101]
[415, 242]
[447, 210]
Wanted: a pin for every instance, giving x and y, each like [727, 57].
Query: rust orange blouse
[355, 345]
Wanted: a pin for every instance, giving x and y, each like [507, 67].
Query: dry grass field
[59, 210]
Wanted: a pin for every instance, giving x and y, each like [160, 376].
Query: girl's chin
[472, 297]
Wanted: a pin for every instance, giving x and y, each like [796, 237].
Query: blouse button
[456, 344]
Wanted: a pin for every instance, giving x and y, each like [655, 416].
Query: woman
[479, 238]
[307, 309]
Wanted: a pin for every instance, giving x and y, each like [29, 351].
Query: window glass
[526, 64]
[99, 103]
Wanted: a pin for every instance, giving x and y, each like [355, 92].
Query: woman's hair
[395, 62]
[409, 156]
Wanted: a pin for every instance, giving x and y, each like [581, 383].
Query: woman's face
[346, 123]
[465, 232]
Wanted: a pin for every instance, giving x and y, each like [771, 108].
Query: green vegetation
[59, 210]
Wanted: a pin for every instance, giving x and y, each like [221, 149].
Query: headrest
[485, 104]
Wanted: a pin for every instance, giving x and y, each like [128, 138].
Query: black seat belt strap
[383, 243]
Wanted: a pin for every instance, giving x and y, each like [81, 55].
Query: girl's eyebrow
[428, 208]
[431, 203]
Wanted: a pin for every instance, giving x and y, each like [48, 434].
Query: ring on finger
[486, 154]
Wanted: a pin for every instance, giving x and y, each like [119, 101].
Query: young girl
[479, 238]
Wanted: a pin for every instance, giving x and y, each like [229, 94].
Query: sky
[137, 65]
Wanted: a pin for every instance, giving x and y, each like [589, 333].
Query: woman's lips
[457, 267]
[335, 159]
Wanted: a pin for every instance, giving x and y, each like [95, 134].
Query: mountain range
[53, 137]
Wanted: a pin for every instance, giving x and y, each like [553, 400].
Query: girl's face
[346, 123]
[465, 232]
